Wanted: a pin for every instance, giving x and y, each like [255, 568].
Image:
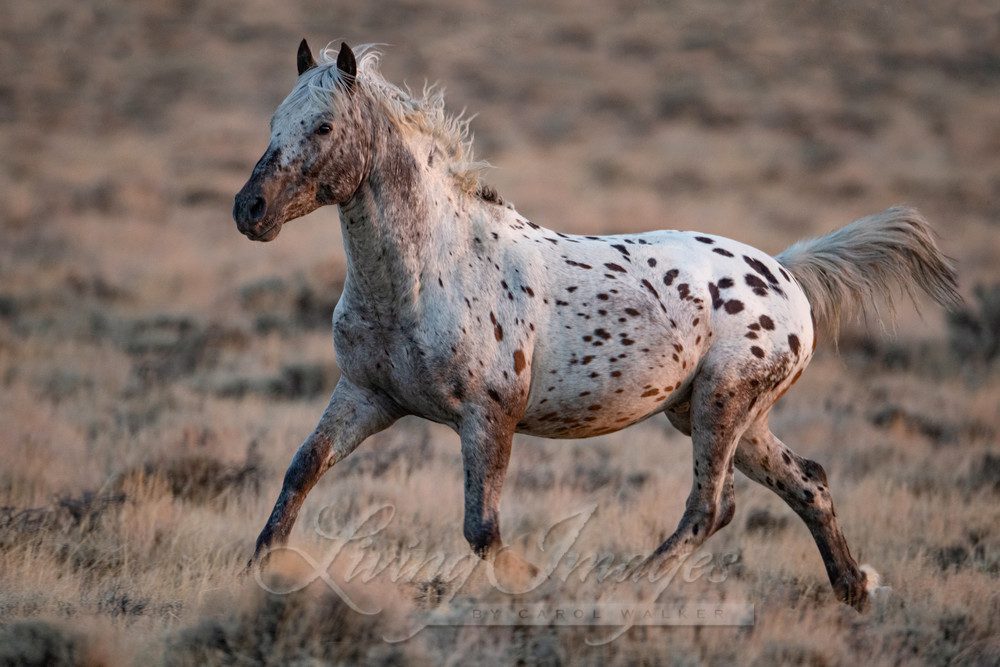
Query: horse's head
[318, 148]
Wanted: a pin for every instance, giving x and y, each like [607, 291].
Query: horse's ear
[305, 59]
[347, 64]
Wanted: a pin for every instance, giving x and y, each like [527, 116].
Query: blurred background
[158, 369]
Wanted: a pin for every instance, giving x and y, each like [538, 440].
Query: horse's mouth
[268, 234]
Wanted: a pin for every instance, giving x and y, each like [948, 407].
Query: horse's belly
[606, 403]
[594, 375]
[575, 424]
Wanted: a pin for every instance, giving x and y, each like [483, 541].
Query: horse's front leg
[353, 414]
[485, 453]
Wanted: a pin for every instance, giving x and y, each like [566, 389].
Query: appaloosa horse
[458, 309]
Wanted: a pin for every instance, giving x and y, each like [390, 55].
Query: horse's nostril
[257, 208]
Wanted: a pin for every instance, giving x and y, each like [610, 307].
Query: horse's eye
[324, 128]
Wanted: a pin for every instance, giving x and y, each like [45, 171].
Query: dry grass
[158, 370]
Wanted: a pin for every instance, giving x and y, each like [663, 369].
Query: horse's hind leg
[802, 484]
[721, 404]
[680, 417]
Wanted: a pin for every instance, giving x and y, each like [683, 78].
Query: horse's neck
[394, 225]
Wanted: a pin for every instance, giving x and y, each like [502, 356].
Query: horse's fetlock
[482, 538]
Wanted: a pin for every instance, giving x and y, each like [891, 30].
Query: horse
[458, 309]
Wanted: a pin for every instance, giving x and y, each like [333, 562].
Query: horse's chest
[361, 347]
[395, 360]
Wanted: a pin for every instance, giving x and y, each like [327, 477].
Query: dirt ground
[158, 369]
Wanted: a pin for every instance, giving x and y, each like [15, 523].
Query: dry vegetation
[158, 370]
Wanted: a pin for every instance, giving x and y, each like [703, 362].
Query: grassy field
[157, 370]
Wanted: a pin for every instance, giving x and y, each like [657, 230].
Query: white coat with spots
[458, 309]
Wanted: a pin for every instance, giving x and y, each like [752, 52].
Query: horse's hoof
[859, 592]
[873, 579]
[512, 574]
[874, 589]
[247, 571]
[256, 563]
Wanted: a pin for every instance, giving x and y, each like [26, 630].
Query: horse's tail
[843, 272]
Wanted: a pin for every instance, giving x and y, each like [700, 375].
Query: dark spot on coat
[762, 269]
[620, 248]
[497, 329]
[734, 306]
[519, 362]
[759, 286]
[757, 352]
[766, 322]
[651, 261]
[615, 267]
[704, 239]
[713, 290]
[793, 342]
[722, 251]
[668, 277]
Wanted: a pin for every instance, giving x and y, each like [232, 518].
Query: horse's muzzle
[250, 211]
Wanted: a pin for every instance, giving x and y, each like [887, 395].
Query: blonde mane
[424, 113]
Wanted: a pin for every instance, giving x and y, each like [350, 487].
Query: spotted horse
[458, 309]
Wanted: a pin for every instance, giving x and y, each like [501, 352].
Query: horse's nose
[249, 209]
[257, 208]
